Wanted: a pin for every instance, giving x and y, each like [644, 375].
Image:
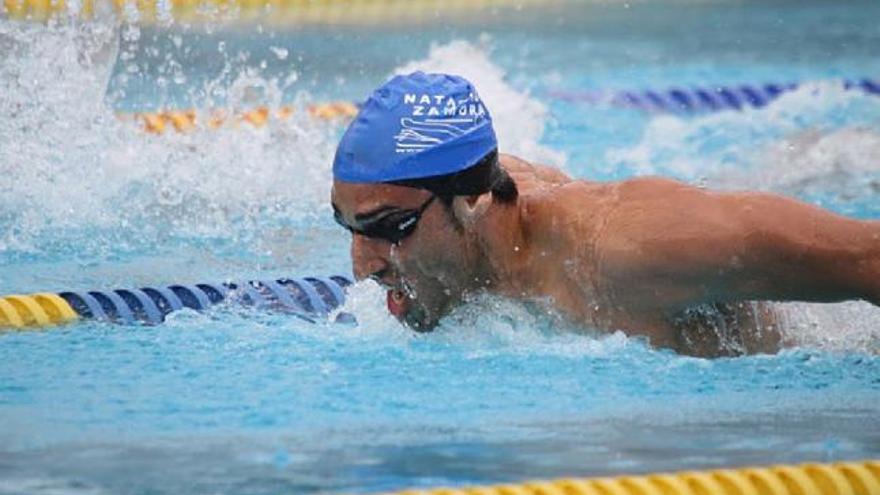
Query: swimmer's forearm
[866, 272]
[675, 246]
[813, 253]
[855, 273]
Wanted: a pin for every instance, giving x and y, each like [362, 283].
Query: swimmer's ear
[469, 209]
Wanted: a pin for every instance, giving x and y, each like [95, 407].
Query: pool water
[242, 401]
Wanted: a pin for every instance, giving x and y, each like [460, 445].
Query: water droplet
[279, 52]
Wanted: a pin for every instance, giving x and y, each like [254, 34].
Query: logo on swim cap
[415, 126]
[435, 118]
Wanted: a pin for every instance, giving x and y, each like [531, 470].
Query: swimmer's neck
[509, 264]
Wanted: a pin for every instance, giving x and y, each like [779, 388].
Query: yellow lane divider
[842, 478]
[43, 309]
[188, 120]
[360, 12]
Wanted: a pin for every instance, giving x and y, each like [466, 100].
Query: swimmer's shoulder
[640, 187]
[549, 190]
[523, 171]
[621, 192]
[552, 179]
[638, 190]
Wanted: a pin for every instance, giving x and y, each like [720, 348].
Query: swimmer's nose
[370, 258]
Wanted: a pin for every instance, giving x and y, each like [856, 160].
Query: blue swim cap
[415, 126]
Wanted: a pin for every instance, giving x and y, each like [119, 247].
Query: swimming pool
[241, 401]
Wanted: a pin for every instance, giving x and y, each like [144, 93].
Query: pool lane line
[188, 120]
[269, 12]
[34, 310]
[701, 99]
[839, 478]
[309, 298]
[673, 100]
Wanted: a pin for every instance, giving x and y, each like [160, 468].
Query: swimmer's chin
[419, 321]
[417, 316]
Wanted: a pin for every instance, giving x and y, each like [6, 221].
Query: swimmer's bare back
[680, 264]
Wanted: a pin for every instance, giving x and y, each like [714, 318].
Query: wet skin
[653, 257]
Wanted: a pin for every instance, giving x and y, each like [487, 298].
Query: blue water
[240, 401]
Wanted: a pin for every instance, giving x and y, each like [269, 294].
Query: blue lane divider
[192, 297]
[309, 298]
[334, 287]
[122, 310]
[701, 99]
[92, 308]
[315, 301]
[149, 307]
[166, 295]
[284, 296]
[216, 293]
[251, 293]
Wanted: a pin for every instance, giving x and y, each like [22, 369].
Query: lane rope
[701, 99]
[189, 120]
[674, 100]
[273, 12]
[310, 298]
[841, 478]
[42, 309]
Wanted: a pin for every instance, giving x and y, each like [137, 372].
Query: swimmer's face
[424, 272]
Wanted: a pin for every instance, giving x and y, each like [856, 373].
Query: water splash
[75, 177]
[366, 299]
[816, 139]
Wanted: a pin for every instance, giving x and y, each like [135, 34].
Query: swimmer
[436, 214]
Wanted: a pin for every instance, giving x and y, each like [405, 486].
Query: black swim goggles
[393, 227]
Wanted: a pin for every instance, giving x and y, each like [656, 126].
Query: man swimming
[436, 213]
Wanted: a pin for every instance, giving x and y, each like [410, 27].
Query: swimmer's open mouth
[402, 305]
[398, 303]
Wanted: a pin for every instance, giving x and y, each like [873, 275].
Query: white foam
[848, 326]
[69, 164]
[485, 326]
[366, 299]
[489, 325]
[742, 149]
[840, 163]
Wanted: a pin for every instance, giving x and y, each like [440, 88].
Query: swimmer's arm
[677, 246]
